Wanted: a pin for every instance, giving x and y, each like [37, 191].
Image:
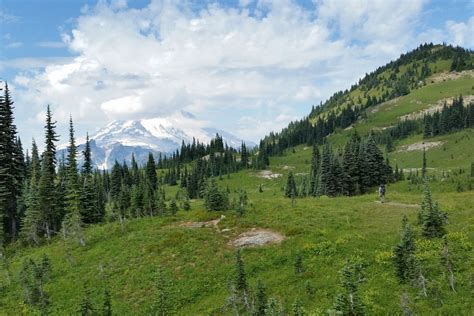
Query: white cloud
[461, 33]
[220, 63]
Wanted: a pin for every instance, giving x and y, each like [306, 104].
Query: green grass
[326, 231]
[456, 151]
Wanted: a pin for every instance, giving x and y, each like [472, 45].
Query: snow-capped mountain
[119, 139]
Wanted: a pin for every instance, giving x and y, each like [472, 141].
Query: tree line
[351, 171]
[42, 196]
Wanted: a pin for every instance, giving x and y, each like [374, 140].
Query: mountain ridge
[119, 139]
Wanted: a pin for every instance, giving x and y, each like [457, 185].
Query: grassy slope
[389, 113]
[201, 261]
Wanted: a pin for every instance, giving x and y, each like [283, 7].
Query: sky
[246, 66]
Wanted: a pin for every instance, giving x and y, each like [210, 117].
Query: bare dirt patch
[257, 237]
[212, 223]
[285, 167]
[436, 108]
[444, 76]
[382, 128]
[268, 174]
[387, 105]
[420, 146]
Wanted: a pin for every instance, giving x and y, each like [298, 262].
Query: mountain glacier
[119, 139]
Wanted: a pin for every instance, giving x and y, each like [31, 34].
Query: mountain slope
[118, 140]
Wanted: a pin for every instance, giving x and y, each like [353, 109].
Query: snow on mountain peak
[119, 139]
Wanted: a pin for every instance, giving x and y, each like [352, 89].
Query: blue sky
[246, 66]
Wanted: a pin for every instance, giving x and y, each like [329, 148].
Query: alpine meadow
[364, 205]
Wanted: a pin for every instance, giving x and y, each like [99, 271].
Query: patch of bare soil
[420, 146]
[382, 128]
[444, 76]
[257, 237]
[385, 105]
[212, 223]
[436, 107]
[285, 167]
[268, 174]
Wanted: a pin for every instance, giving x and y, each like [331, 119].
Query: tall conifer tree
[46, 187]
[10, 168]
[315, 171]
[72, 223]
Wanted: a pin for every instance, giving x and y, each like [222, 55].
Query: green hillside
[320, 234]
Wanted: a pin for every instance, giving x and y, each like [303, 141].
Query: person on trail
[382, 193]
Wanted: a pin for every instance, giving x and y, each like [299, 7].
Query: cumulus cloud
[462, 33]
[273, 59]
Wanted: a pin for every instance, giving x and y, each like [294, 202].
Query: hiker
[382, 193]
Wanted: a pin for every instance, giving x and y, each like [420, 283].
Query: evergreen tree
[315, 171]
[290, 189]
[241, 284]
[47, 195]
[348, 301]
[298, 309]
[10, 169]
[328, 186]
[89, 211]
[151, 172]
[376, 167]
[33, 277]
[350, 165]
[432, 218]
[173, 207]
[446, 260]
[186, 204]
[244, 160]
[215, 199]
[164, 304]
[404, 254]
[274, 308]
[423, 168]
[86, 308]
[115, 180]
[72, 223]
[31, 223]
[299, 264]
[107, 304]
[242, 203]
[261, 300]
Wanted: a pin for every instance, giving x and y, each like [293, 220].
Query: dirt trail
[212, 223]
[420, 146]
[399, 204]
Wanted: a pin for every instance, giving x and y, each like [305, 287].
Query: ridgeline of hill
[170, 250]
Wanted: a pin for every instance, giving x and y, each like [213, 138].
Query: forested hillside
[292, 227]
